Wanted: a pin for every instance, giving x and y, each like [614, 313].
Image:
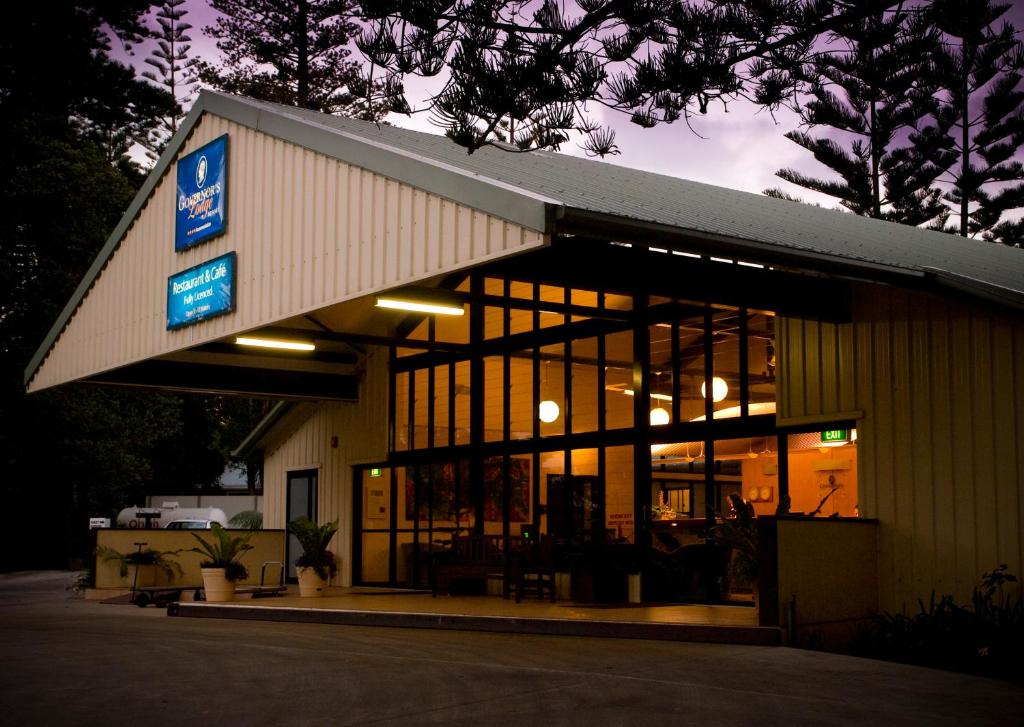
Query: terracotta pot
[217, 587]
[310, 584]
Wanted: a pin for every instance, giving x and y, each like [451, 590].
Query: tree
[175, 71]
[978, 125]
[869, 91]
[74, 451]
[290, 52]
[516, 63]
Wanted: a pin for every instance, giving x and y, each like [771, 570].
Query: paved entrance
[415, 609]
[72, 662]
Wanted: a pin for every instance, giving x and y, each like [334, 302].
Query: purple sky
[740, 149]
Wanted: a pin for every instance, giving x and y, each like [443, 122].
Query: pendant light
[548, 410]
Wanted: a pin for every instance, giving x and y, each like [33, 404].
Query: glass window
[462, 394]
[691, 367]
[618, 380]
[618, 493]
[584, 385]
[551, 408]
[522, 411]
[823, 473]
[761, 362]
[441, 405]
[494, 398]
[660, 375]
[420, 409]
[494, 322]
[725, 327]
[402, 411]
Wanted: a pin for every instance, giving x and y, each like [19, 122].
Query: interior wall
[939, 388]
[361, 431]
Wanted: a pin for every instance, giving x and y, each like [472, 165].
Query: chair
[532, 568]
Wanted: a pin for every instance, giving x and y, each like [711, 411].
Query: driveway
[68, 661]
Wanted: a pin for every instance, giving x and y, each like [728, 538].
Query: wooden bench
[472, 557]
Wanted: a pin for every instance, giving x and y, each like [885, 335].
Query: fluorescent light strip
[272, 343]
[750, 265]
[686, 254]
[419, 307]
[721, 260]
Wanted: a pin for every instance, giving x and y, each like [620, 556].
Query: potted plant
[317, 564]
[221, 568]
[141, 567]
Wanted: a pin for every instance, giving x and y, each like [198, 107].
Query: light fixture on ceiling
[659, 417]
[547, 410]
[750, 450]
[275, 343]
[719, 389]
[422, 301]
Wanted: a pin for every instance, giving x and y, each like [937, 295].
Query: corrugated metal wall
[309, 231]
[941, 388]
[361, 429]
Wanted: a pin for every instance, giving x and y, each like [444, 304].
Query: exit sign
[835, 435]
[375, 472]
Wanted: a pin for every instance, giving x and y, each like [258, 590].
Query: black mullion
[392, 397]
[782, 445]
[641, 423]
[677, 388]
[567, 383]
[536, 415]
[393, 524]
[744, 366]
[357, 525]
[506, 423]
[477, 382]
[709, 415]
[451, 404]
[412, 410]
[431, 393]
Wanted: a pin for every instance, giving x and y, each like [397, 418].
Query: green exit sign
[835, 435]
[375, 472]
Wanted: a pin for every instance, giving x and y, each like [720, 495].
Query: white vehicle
[189, 524]
[169, 512]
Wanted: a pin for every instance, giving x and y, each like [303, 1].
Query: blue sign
[201, 292]
[202, 195]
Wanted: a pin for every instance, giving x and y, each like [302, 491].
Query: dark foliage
[173, 70]
[291, 52]
[534, 66]
[985, 637]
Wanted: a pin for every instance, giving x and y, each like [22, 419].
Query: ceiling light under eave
[437, 307]
[275, 343]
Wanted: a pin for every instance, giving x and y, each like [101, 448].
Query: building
[863, 370]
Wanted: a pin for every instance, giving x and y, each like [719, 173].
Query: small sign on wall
[376, 503]
[204, 291]
[201, 204]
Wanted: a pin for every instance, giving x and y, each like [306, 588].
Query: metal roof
[603, 188]
[536, 189]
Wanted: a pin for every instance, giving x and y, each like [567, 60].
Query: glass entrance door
[301, 502]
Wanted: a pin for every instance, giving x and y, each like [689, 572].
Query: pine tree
[291, 52]
[539, 64]
[175, 71]
[978, 125]
[869, 92]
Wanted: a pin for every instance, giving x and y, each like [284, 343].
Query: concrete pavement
[67, 661]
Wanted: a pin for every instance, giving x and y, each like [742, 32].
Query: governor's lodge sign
[201, 205]
[202, 292]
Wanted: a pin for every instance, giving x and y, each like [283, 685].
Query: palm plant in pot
[221, 568]
[143, 566]
[317, 564]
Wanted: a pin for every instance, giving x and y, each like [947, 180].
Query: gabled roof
[608, 189]
[537, 189]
